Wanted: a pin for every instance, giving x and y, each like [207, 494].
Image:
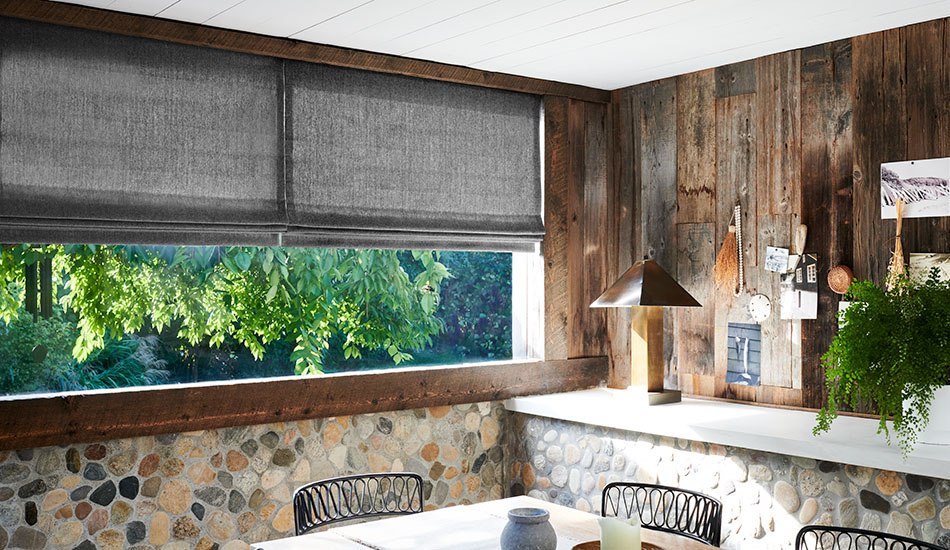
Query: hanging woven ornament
[896, 269]
[727, 273]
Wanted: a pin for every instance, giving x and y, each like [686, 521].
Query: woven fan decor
[839, 278]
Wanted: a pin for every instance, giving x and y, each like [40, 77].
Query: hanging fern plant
[892, 349]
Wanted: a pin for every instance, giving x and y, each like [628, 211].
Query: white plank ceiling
[605, 44]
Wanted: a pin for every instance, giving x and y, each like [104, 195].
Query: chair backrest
[661, 508]
[360, 496]
[820, 537]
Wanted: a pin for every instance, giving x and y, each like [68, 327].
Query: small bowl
[839, 278]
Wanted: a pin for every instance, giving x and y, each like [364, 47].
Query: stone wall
[230, 487]
[766, 497]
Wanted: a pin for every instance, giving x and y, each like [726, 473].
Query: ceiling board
[606, 44]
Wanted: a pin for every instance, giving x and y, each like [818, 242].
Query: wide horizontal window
[76, 317]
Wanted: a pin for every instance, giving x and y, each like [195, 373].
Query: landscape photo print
[923, 184]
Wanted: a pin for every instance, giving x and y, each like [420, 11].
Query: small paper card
[776, 259]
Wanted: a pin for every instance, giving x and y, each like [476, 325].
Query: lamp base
[641, 397]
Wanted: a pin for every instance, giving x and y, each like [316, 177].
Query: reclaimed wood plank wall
[796, 137]
[576, 271]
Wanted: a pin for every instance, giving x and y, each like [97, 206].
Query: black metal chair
[360, 496]
[820, 537]
[668, 509]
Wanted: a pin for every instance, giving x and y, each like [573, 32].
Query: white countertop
[851, 440]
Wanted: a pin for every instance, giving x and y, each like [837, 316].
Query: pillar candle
[617, 534]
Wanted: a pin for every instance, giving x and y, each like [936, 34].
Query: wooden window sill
[31, 421]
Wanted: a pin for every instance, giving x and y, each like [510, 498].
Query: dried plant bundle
[726, 269]
[896, 269]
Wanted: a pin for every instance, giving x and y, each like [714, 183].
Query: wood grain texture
[736, 166]
[695, 255]
[555, 245]
[735, 79]
[200, 35]
[620, 234]
[577, 292]
[868, 249]
[658, 191]
[29, 422]
[778, 93]
[696, 147]
[594, 320]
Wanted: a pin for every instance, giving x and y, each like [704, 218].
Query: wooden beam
[36, 421]
[210, 37]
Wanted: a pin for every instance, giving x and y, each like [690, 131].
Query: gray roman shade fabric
[113, 139]
[387, 161]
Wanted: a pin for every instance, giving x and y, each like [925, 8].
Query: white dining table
[472, 527]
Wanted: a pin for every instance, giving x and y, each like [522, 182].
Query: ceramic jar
[528, 529]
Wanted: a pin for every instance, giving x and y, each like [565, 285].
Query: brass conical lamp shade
[645, 284]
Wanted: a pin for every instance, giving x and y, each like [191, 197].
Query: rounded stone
[900, 524]
[83, 509]
[429, 452]
[67, 534]
[149, 464]
[945, 517]
[554, 454]
[48, 462]
[256, 500]
[175, 496]
[6, 493]
[236, 545]
[151, 486]
[121, 511]
[808, 511]
[94, 472]
[30, 513]
[559, 475]
[28, 539]
[283, 457]
[135, 532]
[249, 447]
[31, 489]
[787, 496]
[185, 528]
[97, 520]
[129, 487]
[54, 499]
[246, 521]
[11, 473]
[922, 509]
[848, 513]
[220, 526]
[760, 472]
[284, 519]
[918, 483]
[888, 482]
[236, 502]
[874, 501]
[810, 483]
[73, 461]
[198, 510]
[104, 494]
[200, 473]
[172, 467]
[270, 440]
[214, 496]
[859, 475]
[96, 451]
[235, 461]
[489, 432]
[158, 528]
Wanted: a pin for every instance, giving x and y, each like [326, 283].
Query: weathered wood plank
[776, 358]
[841, 234]
[928, 113]
[594, 329]
[868, 250]
[736, 170]
[576, 290]
[199, 35]
[735, 79]
[696, 254]
[696, 147]
[556, 169]
[620, 233]
[658, 191]
[37, 421]
[778, 92]
[821, 127]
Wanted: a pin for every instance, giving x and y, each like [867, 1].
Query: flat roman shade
[388, 161]
[114, 139]
[110, 139]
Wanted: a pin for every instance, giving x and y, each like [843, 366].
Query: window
[77, 317]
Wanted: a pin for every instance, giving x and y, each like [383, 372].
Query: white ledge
[851, 440]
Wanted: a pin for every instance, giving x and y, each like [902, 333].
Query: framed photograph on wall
[923, 184]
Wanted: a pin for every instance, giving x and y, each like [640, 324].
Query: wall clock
[760, 307]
